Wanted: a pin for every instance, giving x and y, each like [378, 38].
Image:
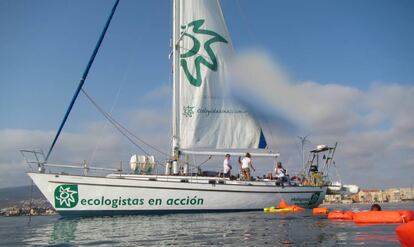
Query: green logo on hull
[195, 28]
[66, 196]
[314, 199]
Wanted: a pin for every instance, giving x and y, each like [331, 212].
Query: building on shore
[374, 195]
[407, 194]
[33, 207]
[370, 195]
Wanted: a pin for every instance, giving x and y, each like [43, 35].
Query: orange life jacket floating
[405, 233]
[341, 215]
[282, 204]
[386, 216]
[283, 207]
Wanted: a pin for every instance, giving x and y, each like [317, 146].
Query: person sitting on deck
[245, 165]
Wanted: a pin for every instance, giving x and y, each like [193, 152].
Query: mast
[176, 79]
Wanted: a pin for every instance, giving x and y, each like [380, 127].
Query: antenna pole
[82, 81]
[303, 140]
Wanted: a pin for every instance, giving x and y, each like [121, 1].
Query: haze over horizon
[338, 71]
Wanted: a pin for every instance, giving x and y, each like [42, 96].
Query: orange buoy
[339, 215]
[375, 217]
[320, 211]
[405, 234]
[282, 204]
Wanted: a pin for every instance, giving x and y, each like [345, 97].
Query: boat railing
[37, 157]
[34, 157]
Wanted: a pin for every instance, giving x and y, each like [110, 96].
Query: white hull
[132, 194]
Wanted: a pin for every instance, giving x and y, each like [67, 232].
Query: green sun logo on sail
[195, 28]
[188, 111]
[66, 196]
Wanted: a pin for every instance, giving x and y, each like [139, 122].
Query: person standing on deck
[245, 165]
[227, 166]
[280, 173]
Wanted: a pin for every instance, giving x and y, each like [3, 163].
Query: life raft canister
[405, 234]
[340, 215]
[378, 217]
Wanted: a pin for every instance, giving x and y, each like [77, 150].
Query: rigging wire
[131, 56]
[247, 27]
[124, 131]
[202, 163]
[98, 142]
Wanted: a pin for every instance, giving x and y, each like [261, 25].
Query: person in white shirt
[227, 166]
[245, 165]
[280, 173]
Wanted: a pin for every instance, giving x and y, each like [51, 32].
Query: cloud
[374, 127]
[98, 143]
[71, 147]
[307, 103]
[160, 93]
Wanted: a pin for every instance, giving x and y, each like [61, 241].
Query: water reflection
[63, 232]
[245, 229]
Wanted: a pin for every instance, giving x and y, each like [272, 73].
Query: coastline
[37, 207]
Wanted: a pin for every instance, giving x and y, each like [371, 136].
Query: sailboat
[204, 122]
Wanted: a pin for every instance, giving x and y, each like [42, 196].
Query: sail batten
[206, 117]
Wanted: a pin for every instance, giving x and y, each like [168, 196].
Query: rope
[202, 163]
[124, 131]
[92, 157]
[123, 81]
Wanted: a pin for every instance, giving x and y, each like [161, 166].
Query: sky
[338, 71]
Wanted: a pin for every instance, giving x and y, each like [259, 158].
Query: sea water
[245, 229]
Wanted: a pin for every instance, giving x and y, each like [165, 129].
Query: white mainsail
[205, 116]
